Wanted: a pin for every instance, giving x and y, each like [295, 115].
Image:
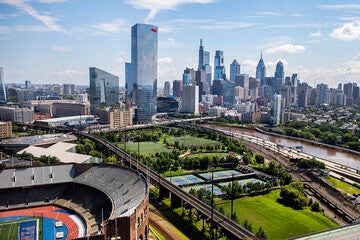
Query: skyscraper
[279, 77]
[104, 89]
[177, 87]
[190, 99]
[166, 88]
[219, 69]
[234, 70]
[261, 71]
[141, 74]
[204, 62]
[277, 110]
[2, 87]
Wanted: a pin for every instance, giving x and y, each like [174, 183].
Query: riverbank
[307, 141]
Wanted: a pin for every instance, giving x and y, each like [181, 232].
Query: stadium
[73, 201]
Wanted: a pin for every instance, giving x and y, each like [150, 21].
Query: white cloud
[112, 27]
[318, 33]
[51, 1]
[30, 28]
[340, 6]
[227, 25]
[165, 60]
[156, 6]
[347, 32]
[170, 43]
[62, 48]
[119, 60]
[269, 13]
[48, 21]
[122, 52]
[286, 48]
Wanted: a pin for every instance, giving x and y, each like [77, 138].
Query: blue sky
[56, 41]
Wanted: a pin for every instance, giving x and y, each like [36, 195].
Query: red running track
[49, 212]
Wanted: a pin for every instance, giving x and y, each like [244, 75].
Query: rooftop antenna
[261, 55]
[200, 41]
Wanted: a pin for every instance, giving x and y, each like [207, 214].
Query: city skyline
[51, 41]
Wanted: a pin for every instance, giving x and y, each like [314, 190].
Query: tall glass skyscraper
[219, 72]
[2, 87]
[261, 71]
[279, 77]
[104, 89]
[141, 74]
[204, 62]
[234, 70]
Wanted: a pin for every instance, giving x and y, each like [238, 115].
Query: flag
[154, 30]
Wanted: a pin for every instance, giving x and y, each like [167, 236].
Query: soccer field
[21, 228]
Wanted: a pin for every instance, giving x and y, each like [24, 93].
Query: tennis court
[221, 174]
[185, 180]
[243, 182]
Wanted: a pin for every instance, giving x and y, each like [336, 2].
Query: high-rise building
[104, 89]
[27, 84]
[204, 62]
[219, 69]
[190, 99]
[261, 71]
[129, 81]
[141, 75]
[279, 77]
[68, 89]
[189, 76]
[234, 70]
[166, 88]
[2, 87]
[177, 87]
[322, 94]
[277, 110]
[303, 95]
[228, 91]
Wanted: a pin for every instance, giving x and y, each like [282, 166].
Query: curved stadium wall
[111, 197]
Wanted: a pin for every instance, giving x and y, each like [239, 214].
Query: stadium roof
[39, 139]
[60, 150]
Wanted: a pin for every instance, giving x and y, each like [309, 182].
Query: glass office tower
[2, 87]
[104, 89]
[261, 71]
[144, 58]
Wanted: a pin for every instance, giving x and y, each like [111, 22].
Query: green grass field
[350, 189]
[145, 147]
[278, 221]
[201, 155]
[191, 141]
[9, 230]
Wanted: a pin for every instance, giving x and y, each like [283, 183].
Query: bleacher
[95, 191]
[119, 183]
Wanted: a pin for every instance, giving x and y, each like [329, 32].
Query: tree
[315, 207]
[259, 158]
[261, 234]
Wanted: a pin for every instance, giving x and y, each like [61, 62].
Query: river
[334, 155]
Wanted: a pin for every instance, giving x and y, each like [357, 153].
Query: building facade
[5, 130]
[143, 70]
[70, 109]
[190, 99]
[261, 71]
[204, 63]
[16, 115]
[2, 87]
[234, 70]
[219, 69]
[104, 89]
